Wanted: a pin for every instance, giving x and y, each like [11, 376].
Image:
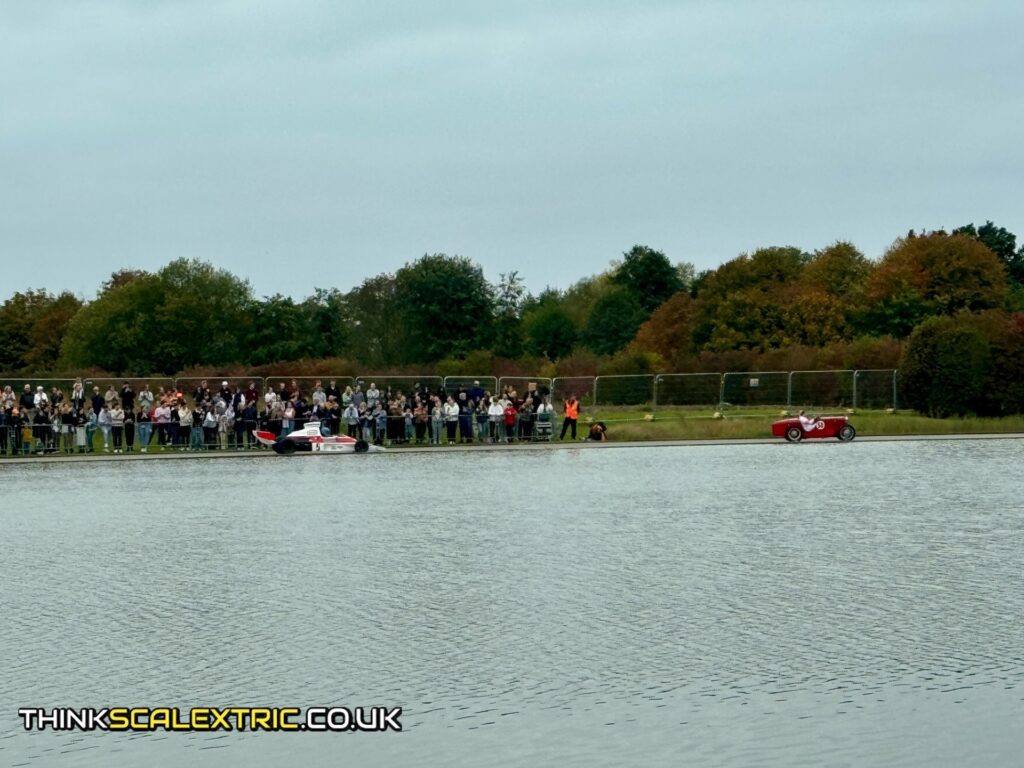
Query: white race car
[315, 438]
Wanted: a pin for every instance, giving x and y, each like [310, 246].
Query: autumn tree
[32, 326]
[669, 330]
[743, 304]
[932, 274]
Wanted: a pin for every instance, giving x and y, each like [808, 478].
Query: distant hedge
[970, 363]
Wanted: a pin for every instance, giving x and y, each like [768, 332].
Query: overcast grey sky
[305, 144]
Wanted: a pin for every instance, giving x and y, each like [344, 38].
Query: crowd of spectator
[121, 420]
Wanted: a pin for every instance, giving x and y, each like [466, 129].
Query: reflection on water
[852, 604]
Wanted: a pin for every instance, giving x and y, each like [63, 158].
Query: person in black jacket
[97, 400]
[127, 397]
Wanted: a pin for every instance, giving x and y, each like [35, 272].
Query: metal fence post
[895, 400]
[789, 390]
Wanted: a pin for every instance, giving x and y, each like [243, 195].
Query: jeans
[145, 432]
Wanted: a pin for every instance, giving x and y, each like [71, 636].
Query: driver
[807, 422]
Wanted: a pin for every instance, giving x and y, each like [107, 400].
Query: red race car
[807, 427]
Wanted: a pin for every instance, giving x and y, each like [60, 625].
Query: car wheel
[847, 433]
[285, 447]
[794, 434]
[362, 446]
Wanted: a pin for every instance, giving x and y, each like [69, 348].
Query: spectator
[372, 395]
[27, 402]
[183, 416]
[352, 419]
[144, 424]
[129, 430]
[68, 421]
[333, 391]
[510, 421]
[104, 421]
[465, 418]
[495, 416]
[526, 420]
[201, 394]
[210, 428]
[451, 418]
[146, 399]
[117, 424]
[319, 396]
[127, 397]
[77, 395]
[252, 395]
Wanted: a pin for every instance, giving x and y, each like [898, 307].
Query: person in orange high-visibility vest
[572, 412]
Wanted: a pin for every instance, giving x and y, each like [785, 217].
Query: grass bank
[638, 423]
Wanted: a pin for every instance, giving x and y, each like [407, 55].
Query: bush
[946, 367]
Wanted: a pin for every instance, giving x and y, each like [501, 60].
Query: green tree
[549, 330]
[116, 331]
[189, 313]
[648, 275]
[511, 297]
[375, 322]
[613, 322]
[945, 368]
[448, 307]
[327, 331]
[1002, 243]
[278, 331]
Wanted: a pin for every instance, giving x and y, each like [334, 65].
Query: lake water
[816, 604]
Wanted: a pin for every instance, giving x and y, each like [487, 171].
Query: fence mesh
[755, 388]
[52, 387]
[407, 385]
[821, 389]
[623, 390]
[190, 388]
[688, 389]
[524, 385]
[453, 384]
[159, 387]
[581, 387]
[875, 389]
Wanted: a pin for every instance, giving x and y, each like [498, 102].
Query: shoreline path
[476, 448]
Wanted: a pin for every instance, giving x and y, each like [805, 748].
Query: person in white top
[807, 422]
[451, 418]
[495, 414]
[372, 395]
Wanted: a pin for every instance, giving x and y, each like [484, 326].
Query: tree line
[938, 304]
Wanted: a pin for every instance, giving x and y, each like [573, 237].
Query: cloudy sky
[305, 144]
